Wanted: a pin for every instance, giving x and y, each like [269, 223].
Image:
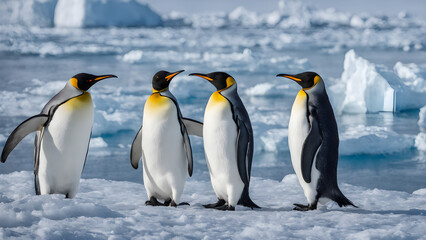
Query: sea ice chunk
[374, 88]
[104, 13]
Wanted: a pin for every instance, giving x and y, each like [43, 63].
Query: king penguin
[228, 143]
[313, 140]
[63, 130]
[163, 144]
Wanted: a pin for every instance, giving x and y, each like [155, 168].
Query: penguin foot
[173, 204]
[225, 208]
[153, 202]
[167, 202]
[301, 207]
[184, 204]
[219, 203]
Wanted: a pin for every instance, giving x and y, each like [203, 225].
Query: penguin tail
[245, 199]
[340, 199]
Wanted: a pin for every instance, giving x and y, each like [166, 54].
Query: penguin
[313, 141]
[163, 144]
[63, 130]
[228, 143]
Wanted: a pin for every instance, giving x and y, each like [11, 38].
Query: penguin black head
[306, 79]
[84, 81]
[220, 80]
[161, 79]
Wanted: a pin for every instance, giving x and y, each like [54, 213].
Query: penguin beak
[171, 75]
[102, 77]
[289, 76]
[202, 75]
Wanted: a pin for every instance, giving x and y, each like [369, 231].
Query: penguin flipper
[32, 124]
[242, 145]
[187, 146]
[136, 149]
[310, 147]
[193, 127]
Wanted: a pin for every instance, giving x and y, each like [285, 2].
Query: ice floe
[116, 210]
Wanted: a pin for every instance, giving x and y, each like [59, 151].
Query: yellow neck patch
[230, 81]
[79, 101]
[156, 101]
[216, 97]
[74, 83]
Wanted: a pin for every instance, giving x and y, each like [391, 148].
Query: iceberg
[104, 13]
[28, 12]
[373, 88]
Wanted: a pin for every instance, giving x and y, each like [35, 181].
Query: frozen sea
[382, 164]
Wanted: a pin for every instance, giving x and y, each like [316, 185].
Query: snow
[116, 210]
[373, 88]
[373, 140]
[104, 13]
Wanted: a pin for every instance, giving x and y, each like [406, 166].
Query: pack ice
[367, 87]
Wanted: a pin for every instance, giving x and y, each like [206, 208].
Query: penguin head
[161, 80]
[220, 80]
[306, 80]
[84, 81]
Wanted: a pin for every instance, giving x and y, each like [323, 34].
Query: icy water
[35, 63]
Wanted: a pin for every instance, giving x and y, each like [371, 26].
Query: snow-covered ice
[116, 210]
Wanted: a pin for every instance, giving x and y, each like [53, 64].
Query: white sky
[389, 7]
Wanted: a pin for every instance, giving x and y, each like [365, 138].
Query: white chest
[298, 129]
[64, 145]
[219, 135]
